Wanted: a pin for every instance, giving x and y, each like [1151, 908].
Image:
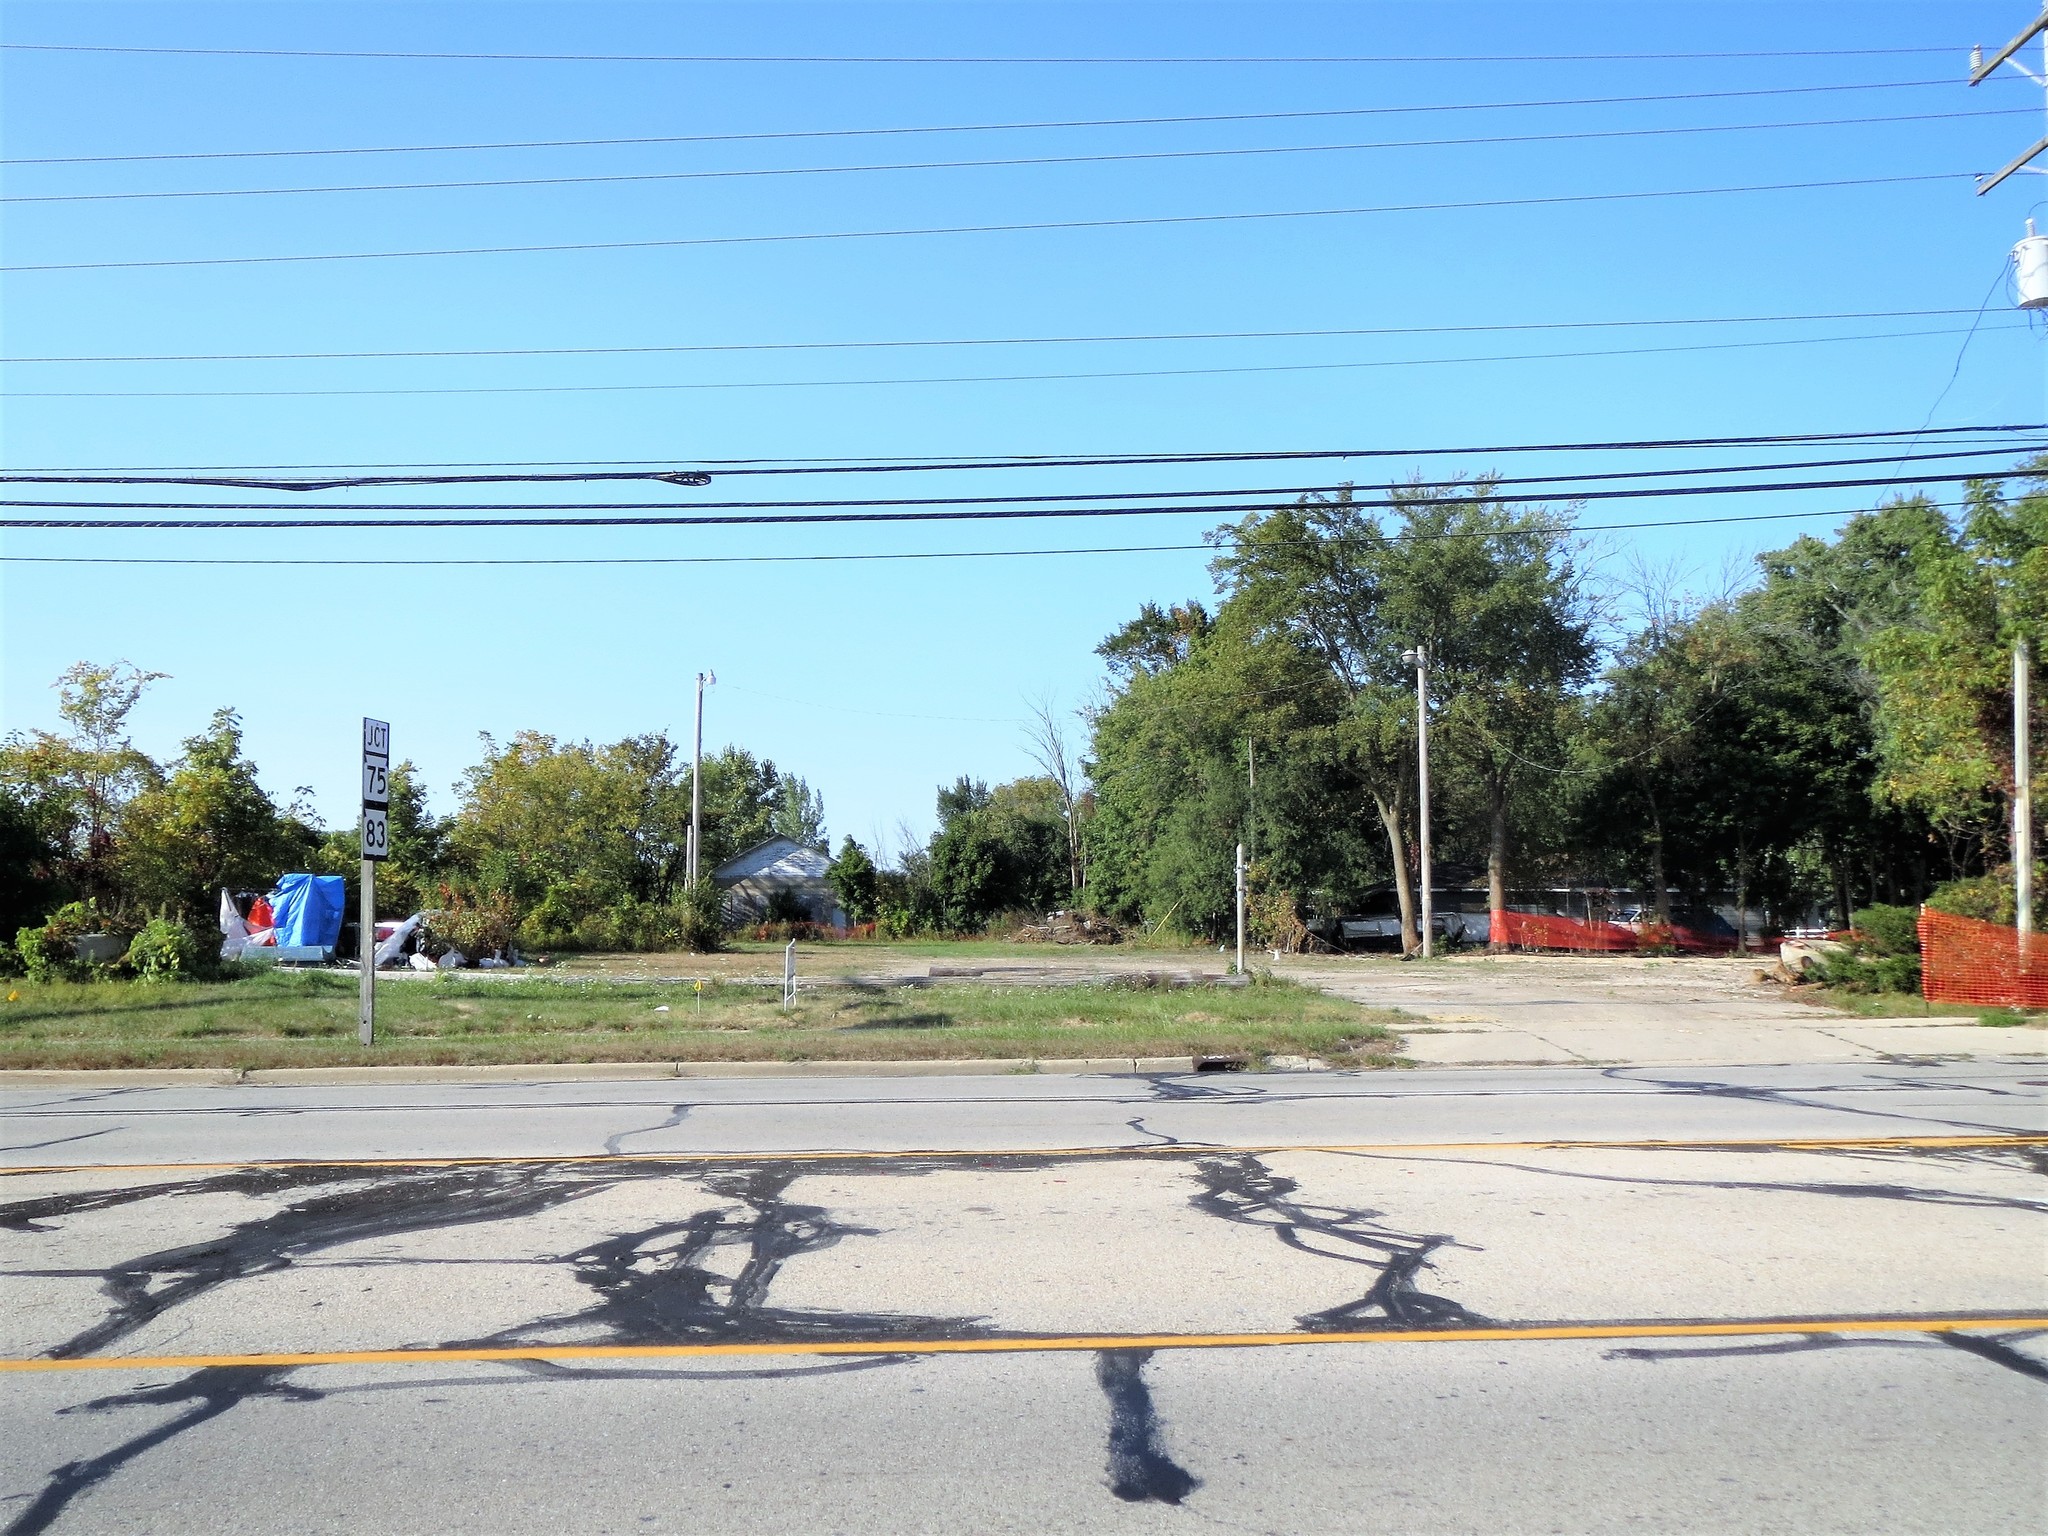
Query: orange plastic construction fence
[1540, 930]
[1963, 960]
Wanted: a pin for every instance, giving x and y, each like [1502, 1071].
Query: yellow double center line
[1512, 1333]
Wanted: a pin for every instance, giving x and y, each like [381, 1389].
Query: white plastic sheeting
[234, 929]
[388, 947]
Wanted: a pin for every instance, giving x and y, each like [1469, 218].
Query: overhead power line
[273, 393]
[1302, 114]
[992, 341]
[879, 466]
[839, 58]
[1008, 162]
[696, 477]
[1139, 222]
[862, 556]
[961, 509]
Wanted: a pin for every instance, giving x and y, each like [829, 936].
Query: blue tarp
[308, 910]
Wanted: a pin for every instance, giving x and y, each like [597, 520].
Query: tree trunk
[1742, 897]
[1497, 872]
[1660, 883]
[1390, 818]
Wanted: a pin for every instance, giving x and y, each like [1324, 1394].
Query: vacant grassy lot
[871, 957]
[281, 1019]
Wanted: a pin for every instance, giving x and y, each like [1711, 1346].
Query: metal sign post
[376, 848]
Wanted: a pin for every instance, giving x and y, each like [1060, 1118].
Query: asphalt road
[1744, 1299]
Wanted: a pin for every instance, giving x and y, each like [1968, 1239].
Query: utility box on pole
[2030, 269]
[376, 848]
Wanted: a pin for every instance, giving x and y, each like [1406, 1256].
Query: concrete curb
[587, 1071]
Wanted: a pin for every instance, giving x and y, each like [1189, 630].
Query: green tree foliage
[207, 825]
[75, 786]
[589, 843]
[1197, 706]
[29, 885]
[852, 876]
[1944, 668]
[1492, 591]
[995, 851]
[799, 813]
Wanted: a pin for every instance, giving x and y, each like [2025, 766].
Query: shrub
[1861, 972]
[164, 951]
[47, 953]
[897, 922]
[700, 917]
[43, 956]
[805, 932]
[552, 921]
[785, 906]
[1883, 930]
[476, 925]
[1989, 898]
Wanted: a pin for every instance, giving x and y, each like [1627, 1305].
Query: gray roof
[777, 858]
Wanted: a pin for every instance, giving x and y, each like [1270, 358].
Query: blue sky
[878, 681]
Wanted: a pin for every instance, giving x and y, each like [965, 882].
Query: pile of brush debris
[1071, 928]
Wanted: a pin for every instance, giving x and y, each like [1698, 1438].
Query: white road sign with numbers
[376, 789]
[376, 834]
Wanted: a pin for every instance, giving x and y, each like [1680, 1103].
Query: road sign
[376, 848]
[376, 788]
[376, 834]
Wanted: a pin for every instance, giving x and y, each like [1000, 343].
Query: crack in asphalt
[707, 1276]
[1906, 1193]
[1804, 1343]
[677, 1113]
[656, 1283]
[1998, 1352]
[1789, 1098]
[651, 1283]
[143, 1288]
[1243, 1189]
[1140, 1470]
[210, 1393]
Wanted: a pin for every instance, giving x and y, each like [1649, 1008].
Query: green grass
[1907, 1005]
[2009, 1018]
[745, 957]
[284, 1019]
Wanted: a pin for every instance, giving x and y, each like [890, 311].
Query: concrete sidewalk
[1537, 1010]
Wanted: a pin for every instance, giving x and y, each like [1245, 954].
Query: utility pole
[1419, 660]
[2030, 260]
[2022, 796]
[697, 785]
[1251, 789]
[1240, 909]
[1981, 69]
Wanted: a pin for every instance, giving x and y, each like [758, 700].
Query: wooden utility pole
[697, 786]
[2022, 793]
